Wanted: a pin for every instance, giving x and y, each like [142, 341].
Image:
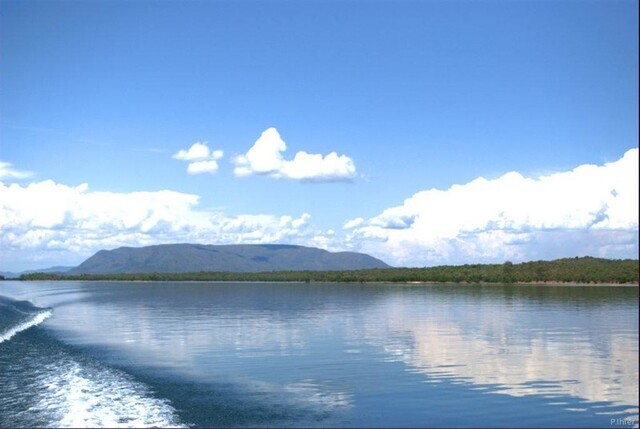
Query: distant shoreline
[371, 282]
[538, 283]
[561, 272]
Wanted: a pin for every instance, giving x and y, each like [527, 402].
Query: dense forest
[578, 270]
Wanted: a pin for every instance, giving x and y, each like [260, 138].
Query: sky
[421, 132]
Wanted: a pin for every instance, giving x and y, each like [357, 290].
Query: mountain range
[50, 270]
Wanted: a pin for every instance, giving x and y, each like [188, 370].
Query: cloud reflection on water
[501, 352]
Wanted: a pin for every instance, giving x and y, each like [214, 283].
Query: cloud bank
[201, 159]
[49, 223]
[590, 210]
[265, 158]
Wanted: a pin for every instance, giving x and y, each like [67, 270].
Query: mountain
[9, 275]
[50, 270]
[184, 258]
[53, 270]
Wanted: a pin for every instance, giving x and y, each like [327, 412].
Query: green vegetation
[578, 270]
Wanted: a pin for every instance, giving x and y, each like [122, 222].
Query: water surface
[333, 355]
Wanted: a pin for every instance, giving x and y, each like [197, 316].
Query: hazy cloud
[589, 210]
[8, 172]
[265, 158]
[350, 224]
[201, 159]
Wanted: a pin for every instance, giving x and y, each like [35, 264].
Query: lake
[76, 354]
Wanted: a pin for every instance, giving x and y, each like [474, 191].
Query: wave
[35, 320]
[17, 316]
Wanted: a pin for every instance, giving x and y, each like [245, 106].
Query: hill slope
[50, 270]
[183, 258]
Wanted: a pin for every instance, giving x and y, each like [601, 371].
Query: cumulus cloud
[8, 172]
[265, 158]
[201, 159]
[589, 210]
[195, 152]
[56, 223]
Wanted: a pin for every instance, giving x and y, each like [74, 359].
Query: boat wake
[78, 395]
[17, 316]
[46, 383]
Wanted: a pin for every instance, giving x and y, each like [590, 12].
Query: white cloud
[588, 210]
[197, 151]
[350, 224]
[201, 159]
[199, 167]
[265, 158]
[8, 172]
[54, 223]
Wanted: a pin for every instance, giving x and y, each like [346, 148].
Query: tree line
[578, 270]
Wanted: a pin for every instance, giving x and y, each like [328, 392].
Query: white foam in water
[35, 320]
[76, 396]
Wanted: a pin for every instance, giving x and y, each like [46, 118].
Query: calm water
[272, 354]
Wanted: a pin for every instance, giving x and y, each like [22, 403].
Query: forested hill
[183, 258]
[578, 270]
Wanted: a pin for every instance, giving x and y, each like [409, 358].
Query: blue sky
[412, 96]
